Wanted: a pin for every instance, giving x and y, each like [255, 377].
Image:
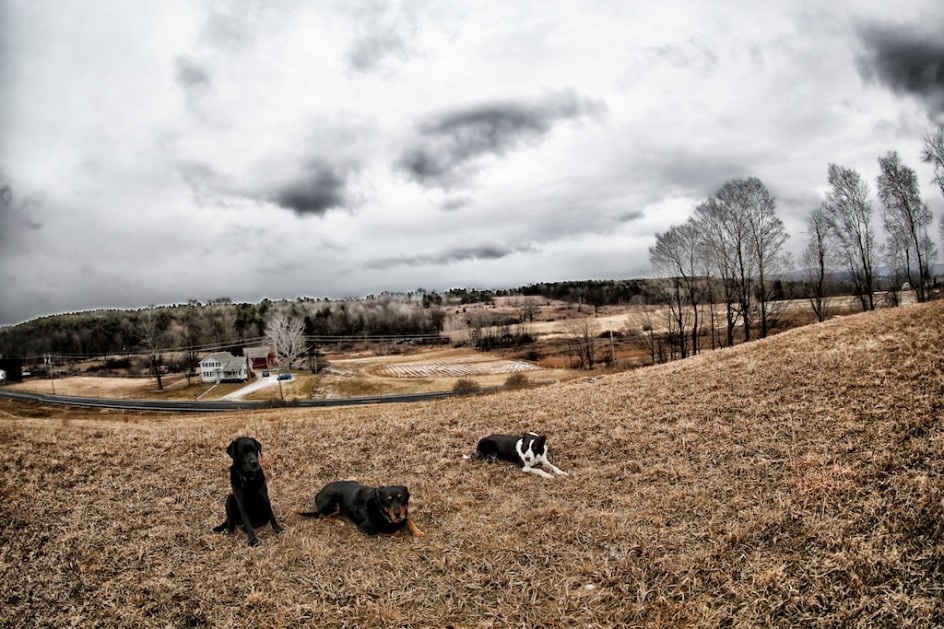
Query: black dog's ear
[231, 449]
[258, 446]
[540, 441]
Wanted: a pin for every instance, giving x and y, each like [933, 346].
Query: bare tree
[718, 251]
[849, 211]
[907, 219]
[640, 329]
[816, 259]
[733, 198]
[287, 336]
[934, 154]
[940, 228]
[676, 254]
[897, 256]
[188, 332]
[766, 237]
[582, 344]
[151, 328]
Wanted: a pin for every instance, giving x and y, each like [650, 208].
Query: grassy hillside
[797, 480]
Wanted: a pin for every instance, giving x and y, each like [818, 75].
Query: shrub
[465, 386]
[516, 380]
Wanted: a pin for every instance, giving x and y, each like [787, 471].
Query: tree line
[221, 325]
[725, 262]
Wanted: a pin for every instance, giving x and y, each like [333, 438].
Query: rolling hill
[796, 480]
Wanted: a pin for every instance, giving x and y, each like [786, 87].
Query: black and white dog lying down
[528, 451]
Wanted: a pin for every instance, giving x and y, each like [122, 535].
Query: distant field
[793, 481]
[420, 372]
[455, 368]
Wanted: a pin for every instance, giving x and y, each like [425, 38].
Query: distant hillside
[793, 481]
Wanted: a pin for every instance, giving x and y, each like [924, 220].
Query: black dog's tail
[310, 514]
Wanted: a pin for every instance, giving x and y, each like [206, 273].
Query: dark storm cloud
[905, 61]
[321, 188]
[449, 144]
[461, 254]
[630, 216]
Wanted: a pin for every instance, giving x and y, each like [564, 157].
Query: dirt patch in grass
[794, 481]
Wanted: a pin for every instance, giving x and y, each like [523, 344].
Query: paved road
[221, 405]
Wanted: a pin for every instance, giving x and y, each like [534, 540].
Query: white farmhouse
[223, 367]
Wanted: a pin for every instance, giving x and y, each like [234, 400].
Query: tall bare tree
[907, 219]
[766, 237]
[816, 259]
[151, 329]
[849, 211]
[287, 336]
[734, 199]
[581, 342]
[717, 252]
[677, 255]
[187, 331]
[934, 154]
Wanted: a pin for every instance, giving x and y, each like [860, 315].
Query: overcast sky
[155, 152]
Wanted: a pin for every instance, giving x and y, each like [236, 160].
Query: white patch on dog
[530, 458]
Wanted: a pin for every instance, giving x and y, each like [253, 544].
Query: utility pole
[612, 348]
[52, 379]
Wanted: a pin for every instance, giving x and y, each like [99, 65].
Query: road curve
[221, 405]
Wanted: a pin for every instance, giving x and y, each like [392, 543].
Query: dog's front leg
[247, 524]
[554, 469]
[275, 525]
[537, 471]
[415, 530]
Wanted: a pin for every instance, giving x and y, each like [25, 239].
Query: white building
[224, 367]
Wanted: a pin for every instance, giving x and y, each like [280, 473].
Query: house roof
[260, 351]
[227, 360]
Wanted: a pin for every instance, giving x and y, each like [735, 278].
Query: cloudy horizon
[154, 153]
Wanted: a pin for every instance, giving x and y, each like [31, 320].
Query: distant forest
[221, 324]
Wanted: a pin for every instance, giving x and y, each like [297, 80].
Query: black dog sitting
[372, 509]
[248, 506]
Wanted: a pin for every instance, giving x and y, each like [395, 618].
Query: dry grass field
[794, 481]
[424, 371]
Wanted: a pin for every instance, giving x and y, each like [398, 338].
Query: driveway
[259, 383]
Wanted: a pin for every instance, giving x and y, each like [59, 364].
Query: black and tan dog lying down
[374, 510]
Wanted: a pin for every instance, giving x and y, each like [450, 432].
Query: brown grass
[795, 481]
